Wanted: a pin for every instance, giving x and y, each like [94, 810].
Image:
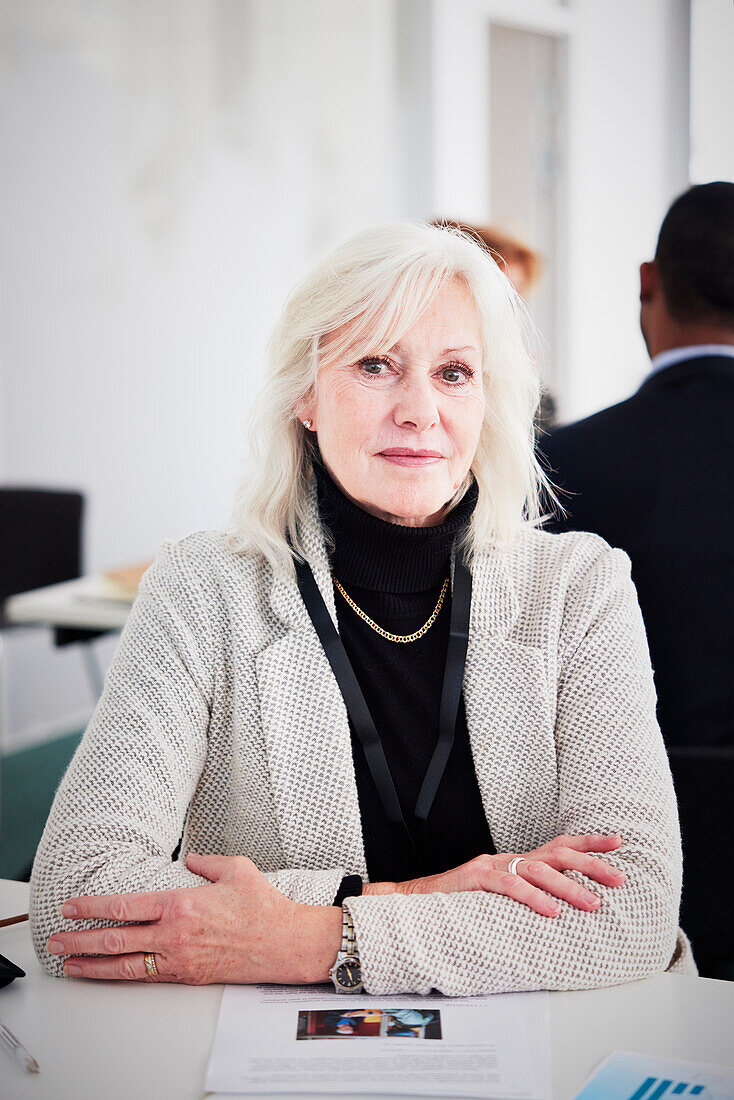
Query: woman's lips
[402, 456]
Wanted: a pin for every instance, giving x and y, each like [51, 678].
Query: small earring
[307, 424]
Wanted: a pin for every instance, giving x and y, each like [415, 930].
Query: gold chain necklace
[386, 633]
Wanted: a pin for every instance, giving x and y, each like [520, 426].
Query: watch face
[349, 973]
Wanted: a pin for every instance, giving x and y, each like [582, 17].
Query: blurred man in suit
[655, 476]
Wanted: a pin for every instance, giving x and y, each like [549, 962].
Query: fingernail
[55, 947]
[553, 910]
[594, 903]
[68, 910]
[72, 970]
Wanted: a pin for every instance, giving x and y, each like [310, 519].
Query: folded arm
[120, 810]
[613, 778]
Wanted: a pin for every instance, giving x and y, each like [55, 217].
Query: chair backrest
[703, 777]
[40, 538]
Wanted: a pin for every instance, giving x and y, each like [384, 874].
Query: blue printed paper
[624, 1076]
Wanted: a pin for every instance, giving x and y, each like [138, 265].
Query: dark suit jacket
[654, 475]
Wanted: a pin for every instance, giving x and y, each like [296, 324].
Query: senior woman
[408, 737]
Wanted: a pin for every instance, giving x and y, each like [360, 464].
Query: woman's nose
[416, 406]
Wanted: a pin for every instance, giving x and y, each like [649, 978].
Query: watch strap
[349, 938]
[348, 954]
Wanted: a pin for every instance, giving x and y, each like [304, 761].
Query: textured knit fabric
[653, 475]
[220, 711]
[395, 575]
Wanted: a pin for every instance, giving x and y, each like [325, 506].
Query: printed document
[309, 1039]
[624, 1076]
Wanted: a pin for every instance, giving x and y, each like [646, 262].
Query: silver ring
[514, 862]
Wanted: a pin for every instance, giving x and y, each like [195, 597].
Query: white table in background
[86, 603]
[121, 1041]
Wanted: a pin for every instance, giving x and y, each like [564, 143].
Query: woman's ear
[305, 412]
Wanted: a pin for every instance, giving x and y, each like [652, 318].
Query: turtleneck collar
[374, 554]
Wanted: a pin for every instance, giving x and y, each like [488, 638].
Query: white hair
[377, 284]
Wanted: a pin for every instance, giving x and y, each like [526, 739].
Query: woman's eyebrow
[446, 351]
[458, 351]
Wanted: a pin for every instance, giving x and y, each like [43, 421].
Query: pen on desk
[17, 1049]
[13, 920]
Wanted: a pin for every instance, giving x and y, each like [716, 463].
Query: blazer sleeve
[120, 809]
[613, 778]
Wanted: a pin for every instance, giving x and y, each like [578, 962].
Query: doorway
[527, 119]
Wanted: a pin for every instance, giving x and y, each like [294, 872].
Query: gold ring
[149, 960]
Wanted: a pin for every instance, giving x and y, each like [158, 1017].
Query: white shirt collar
[692, 351]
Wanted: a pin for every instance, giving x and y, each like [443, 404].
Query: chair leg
[94, 670]
[3, 697]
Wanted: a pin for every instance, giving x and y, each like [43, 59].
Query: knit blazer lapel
[509, 710]
[306, 728]
[509, 714]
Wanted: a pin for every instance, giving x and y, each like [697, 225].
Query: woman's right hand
[539, 875]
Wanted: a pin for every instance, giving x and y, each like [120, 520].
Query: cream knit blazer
[221, 717]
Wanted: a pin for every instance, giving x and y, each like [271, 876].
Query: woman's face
[398, 431]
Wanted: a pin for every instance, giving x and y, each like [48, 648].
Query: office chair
[41, 544]
[703, 777]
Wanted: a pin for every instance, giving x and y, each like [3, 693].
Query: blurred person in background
[523, 266]
[654, 475]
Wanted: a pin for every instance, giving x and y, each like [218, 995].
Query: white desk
[121, 1041]
[88, 603]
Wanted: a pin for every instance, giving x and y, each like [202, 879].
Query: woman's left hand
[237, 929]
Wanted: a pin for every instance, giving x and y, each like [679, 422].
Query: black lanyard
[359, 713]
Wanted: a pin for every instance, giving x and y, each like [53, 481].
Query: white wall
[171, 166]
[169, 170]
[712, 90]
[625, 150]
[627, 160]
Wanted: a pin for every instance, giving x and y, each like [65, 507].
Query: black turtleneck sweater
[394, 574]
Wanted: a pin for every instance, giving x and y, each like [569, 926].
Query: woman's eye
[372, 366]
[453, 374]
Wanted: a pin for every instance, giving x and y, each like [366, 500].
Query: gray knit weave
[220, 710]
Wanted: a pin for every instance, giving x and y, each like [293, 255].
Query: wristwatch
[346, 973]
